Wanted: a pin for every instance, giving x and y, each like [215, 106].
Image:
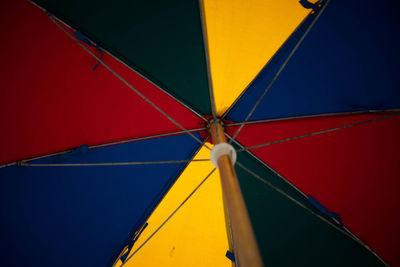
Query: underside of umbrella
[110, 110]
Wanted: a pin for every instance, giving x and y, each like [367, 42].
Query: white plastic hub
[222, 149]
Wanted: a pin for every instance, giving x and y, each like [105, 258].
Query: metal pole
[244, 242]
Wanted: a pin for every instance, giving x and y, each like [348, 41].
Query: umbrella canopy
[106, 107]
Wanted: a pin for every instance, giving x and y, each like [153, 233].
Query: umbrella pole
[244, 241]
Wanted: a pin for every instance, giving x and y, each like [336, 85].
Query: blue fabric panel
[84, 216]
[347, 62]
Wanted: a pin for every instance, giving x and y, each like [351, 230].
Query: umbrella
[107, 110]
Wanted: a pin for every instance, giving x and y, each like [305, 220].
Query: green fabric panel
[289, 235]
[160, 39]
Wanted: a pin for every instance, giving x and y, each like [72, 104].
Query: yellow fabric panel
[242, 36]
[196, 234]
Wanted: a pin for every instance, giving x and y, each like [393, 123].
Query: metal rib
[321, 132]
[265, 165]
[108, 163]
[126, 83]
[160, 200]
[138, 73]
[356, 112]
[344, 231]
[206, 53]
[259, 73]
[169, 217]
[104, 145]
[147, 137]
[281, 69]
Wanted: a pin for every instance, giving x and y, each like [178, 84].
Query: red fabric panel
[354, 171]
[51, 99]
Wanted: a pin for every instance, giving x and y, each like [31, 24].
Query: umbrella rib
[264, 164]
[206, 53]
[169, 217]
[147, 137]
[284, 193]
[127, 84]
[209, 75]
[255, 77]
[344, 230]
[321, 132]
[109, 163]
[104, 145]
[147, 217]
[129, 67]
[23, 163]
[310, 116]
[280, 70]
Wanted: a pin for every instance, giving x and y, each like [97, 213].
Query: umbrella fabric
[162, 40]
[319, 176]
[63, 210]
[242, 36]
[196, 234]
[53, 102]
[347, 53]
[353, 171]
